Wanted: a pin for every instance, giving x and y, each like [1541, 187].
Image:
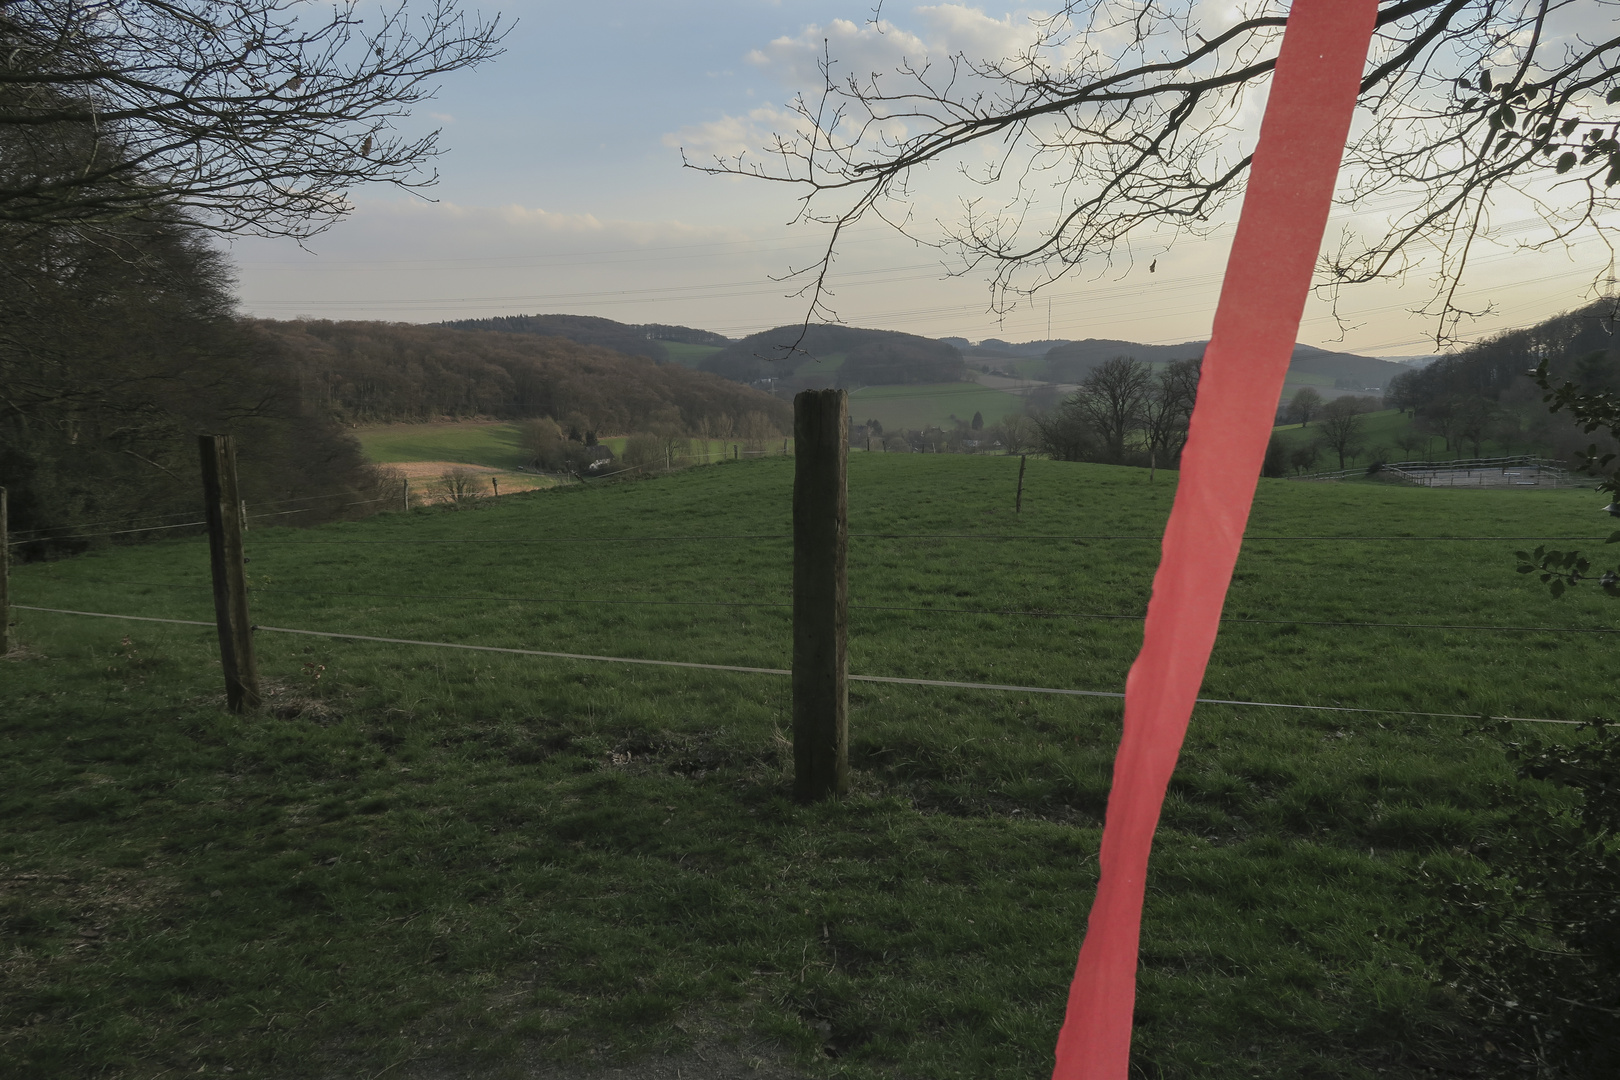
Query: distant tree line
[368, 372]
[799, 357]
[632, 340]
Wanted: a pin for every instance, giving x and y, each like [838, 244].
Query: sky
[562, 191]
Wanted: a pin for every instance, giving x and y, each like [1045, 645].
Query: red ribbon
[1268, 275]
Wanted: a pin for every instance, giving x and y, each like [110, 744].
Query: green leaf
[1566, 162]
[1464, 83]
[1556, 588]
[1614, 538]
[1612, 96]
[1485, 81]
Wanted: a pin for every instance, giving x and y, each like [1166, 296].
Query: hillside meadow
[415, 856]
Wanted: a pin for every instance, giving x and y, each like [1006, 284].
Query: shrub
[1531, 938]
[642, 451]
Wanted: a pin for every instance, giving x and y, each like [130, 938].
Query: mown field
[433, 862]
[469, 442]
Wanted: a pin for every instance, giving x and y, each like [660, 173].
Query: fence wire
[889, 679]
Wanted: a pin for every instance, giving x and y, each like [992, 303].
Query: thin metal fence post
[820, 594]
[227, 560]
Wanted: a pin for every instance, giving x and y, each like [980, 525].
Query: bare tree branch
[1124, 119]
[247, 113]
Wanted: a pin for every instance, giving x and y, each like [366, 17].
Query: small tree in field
[1305, 403]
[1342, 428]
[1017, 432]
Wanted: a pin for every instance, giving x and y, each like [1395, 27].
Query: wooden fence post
[1018, 506]
[820, 594]
[405, 494]
[495, 482]
[230, 574]
[5, 575]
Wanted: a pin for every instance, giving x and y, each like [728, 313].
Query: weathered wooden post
[405, 494]
[820, 594]
[224, 506]
[5, 575]
[495, 482]
[1018, 504]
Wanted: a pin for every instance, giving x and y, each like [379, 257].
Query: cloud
[730, 135]
[862, 50]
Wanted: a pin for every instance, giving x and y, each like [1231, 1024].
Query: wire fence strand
[737, 668]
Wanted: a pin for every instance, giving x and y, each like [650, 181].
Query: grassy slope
[427, 852]
[930, 405]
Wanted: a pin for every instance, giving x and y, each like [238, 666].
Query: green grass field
[930, 405]
[1383, 431]
[689, 355]
[445, 860]
[467, 442]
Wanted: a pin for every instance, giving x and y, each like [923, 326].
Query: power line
[890, 679]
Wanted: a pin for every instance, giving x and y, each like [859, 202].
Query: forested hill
[633, 340]
[837, 355]
[1581, 345]
[1482, 391]
[374, 371]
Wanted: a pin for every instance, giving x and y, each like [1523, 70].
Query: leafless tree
[1017, 432]
[1167, 409]
[254, 115]
[1342, 428]
[1305, 403]
[1112, 399]
[1118, 120]
[461, 485]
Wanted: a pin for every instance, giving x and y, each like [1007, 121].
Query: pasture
[1382, 431]
[930, 405]
[431, 859]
